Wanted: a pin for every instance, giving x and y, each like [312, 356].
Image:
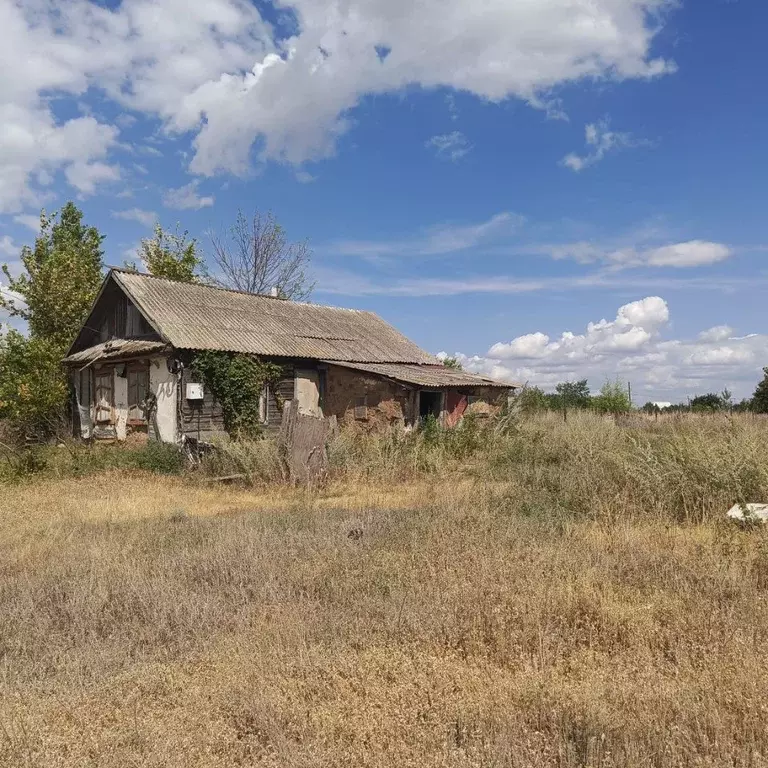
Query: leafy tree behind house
[453, 362]
[173, 255]
[255, 256]
[61, 276]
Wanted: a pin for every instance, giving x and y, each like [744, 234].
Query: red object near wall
[455, 406]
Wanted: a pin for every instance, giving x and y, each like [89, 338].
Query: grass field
[563, 595]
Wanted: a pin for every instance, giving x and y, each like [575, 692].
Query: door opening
[430, 404]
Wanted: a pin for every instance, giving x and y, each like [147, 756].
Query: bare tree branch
[255, 256]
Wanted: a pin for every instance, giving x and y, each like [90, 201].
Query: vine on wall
[237, 382]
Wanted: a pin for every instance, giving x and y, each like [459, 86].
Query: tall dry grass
[571, 595]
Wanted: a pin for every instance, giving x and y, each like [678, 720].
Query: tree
[613, 398]
[172, 255]
[760, 398]
[532, 400]
[453, 362]
[573, 394]
[708, 403]
[33, 388]
[61, 277]
[62, 274]
[255, 256]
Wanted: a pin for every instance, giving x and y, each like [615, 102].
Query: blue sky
[550, 190]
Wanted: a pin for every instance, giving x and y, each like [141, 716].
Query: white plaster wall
[164, 385]
[307, 392]
[82, 384]
[121, 404]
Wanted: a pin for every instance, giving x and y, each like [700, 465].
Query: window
[138, 390]
[104, 396]
[361, 408]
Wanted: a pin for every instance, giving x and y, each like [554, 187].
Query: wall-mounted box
[195, 392]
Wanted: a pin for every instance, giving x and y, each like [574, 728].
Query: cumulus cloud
[600, 140]
[186, 198]
[631, 346]
[450, 146]
[218, 71]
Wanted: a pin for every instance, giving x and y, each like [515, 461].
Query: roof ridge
[136, 273]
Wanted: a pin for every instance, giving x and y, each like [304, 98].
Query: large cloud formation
[632, 347]
[218, 71]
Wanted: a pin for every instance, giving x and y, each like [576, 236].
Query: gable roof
[200, 317]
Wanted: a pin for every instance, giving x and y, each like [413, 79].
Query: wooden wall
[114, 317]
[206, 417]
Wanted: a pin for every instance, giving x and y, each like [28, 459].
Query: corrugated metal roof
[201, 317]
[115, 349]
[438, 376]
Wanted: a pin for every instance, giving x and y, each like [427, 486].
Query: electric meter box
[195, 392]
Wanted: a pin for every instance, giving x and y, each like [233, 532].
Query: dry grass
[572, 599]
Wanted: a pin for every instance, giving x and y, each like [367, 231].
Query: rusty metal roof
[436, 376]
[115, 349]
[192, 316]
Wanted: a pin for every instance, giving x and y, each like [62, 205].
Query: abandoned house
[132, 364]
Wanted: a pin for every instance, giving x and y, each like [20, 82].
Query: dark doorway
[430, 404]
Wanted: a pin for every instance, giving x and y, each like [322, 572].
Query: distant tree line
[614, 397]
[576, 395]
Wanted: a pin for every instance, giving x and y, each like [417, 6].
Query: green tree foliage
[533, 400]
[172, 255]
[237, 382]
[62, 274]
[613, 398]
[33, 388]
[709, 403]
[453, 362]
[760, 398]
[573, 394]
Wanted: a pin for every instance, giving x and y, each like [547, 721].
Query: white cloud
[450, 146]
[8, 247]
[216, 70]
[632, 347]
[690, 254]
[601, 140]
[85, 177]
[186, 198]
[28, 220]
[435, 241]
[147, 218]
[718, 333]
[693, 253]
[304, 177]
[635, 325]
